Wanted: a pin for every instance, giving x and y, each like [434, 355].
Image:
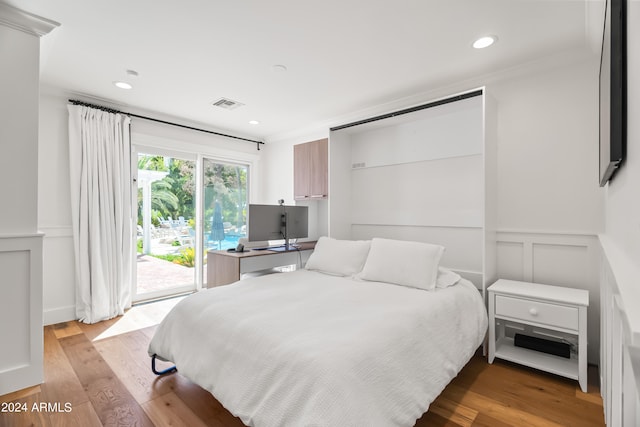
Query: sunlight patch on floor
[140, 317]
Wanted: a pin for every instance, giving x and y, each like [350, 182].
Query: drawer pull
[533, 311]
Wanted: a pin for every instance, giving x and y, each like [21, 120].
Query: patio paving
[156, 274]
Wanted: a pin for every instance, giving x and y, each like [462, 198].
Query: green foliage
[174, 195]
[167, 257]
[186, 257]
[227, 185]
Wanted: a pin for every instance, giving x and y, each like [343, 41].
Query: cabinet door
[301, 171]
[319, 157]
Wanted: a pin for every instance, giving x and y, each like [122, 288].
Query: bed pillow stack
[338, 257]
[404, 263]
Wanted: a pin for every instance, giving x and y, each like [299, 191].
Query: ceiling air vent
[227, 104]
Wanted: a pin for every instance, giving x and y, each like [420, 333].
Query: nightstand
[552, 312]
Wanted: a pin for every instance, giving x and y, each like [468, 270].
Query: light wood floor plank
[60, 381]
[21, 394]
[136, 374]
[66, 329]
[459, 414]
[81, 415]
[27, 417]
[203, 403]
[497, 409]
[113, 404]
[169, 410]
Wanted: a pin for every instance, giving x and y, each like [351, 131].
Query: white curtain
[102, 214]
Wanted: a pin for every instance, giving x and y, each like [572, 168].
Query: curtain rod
[410, 110]
[111, 110]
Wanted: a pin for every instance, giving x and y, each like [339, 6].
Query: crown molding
[29, 23]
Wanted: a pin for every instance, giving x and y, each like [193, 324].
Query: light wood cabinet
[310, 170]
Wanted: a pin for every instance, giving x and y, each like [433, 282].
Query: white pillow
[338, 257]
[412, 264]
[446, 278]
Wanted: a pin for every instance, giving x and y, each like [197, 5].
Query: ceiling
[340, 56]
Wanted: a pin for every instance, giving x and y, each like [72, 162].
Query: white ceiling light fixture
[279, 68]
[254, 122]
[485, 41]
[123, 85]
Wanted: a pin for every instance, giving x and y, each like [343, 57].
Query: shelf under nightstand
[540, 308]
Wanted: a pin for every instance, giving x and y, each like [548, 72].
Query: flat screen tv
[277, 222]
[613, 90]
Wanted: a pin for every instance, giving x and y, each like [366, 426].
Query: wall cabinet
[310, 170]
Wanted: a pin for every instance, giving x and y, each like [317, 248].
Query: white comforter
[308, 349]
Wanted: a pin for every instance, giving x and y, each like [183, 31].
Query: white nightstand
[542, 309]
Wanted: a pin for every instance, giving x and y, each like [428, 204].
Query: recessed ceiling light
[123, 85]
[254, 122]
[485, 41]
[278, 68]
[132, 73]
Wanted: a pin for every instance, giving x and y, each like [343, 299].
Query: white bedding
[309, 349]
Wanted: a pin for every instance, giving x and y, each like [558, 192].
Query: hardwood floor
[96, 377]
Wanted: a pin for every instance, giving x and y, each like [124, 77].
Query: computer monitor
[277, 222]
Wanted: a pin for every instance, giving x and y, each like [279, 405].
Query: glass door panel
[166, 223]
[224, 206]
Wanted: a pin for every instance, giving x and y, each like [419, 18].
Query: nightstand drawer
[538, 312]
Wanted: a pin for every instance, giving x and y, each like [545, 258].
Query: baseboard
[59, 315]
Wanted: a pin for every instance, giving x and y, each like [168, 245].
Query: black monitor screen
[274, 222]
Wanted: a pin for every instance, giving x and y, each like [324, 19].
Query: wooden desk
[227, 267]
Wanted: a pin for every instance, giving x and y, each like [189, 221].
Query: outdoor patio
[155, 274]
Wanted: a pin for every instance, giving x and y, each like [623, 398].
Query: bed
[329, 345]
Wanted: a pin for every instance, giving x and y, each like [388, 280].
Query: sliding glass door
[226, 192]
[186, 205]
[165, 226]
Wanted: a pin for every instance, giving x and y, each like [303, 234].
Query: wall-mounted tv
[613, 90]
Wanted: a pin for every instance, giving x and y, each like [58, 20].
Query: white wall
[623, 192]
[548, 151]
[54, 209]
[18, 130]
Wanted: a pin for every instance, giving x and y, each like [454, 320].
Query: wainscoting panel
[21, 314]
[511, 260]
[566, 264]
[620, 353]
[58, 275]
[554, 258]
